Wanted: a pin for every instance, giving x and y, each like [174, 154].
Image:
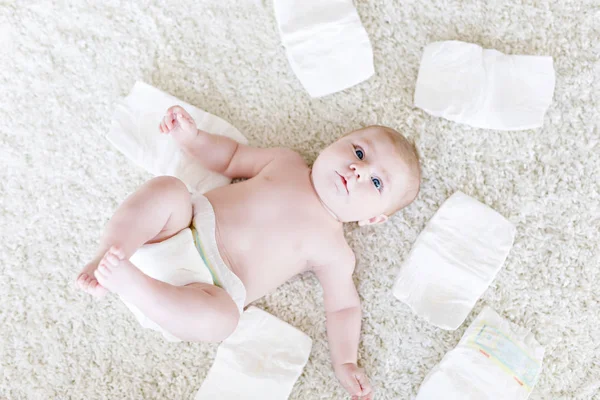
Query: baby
[284, 220]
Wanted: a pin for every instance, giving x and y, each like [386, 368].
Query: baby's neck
[331, 213]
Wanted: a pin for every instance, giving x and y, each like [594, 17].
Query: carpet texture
[64, 64]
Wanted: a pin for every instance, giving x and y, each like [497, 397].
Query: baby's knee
[216, 319]
[172, 187]
[211, 326]
[228, 325]
[224, 318]
[168, 183]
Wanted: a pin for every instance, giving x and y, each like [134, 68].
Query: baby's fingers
[368, 396]
[352, 386]
[169, 121]
[175, 109]
[180, 111]
[363, 397]
[185, 121]
[364, 383]
[162, 127]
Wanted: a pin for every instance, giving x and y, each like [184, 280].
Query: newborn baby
[284, 220]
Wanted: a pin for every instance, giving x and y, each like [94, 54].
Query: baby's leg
[156, 211]
[197, 312]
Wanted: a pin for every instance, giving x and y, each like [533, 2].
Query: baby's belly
[259, 269]
[262, 233]
[263, 256]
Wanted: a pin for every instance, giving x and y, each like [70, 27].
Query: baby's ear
[380, 219]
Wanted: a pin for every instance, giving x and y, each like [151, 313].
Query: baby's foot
[87, 282]
[117, 274]
[179, 124]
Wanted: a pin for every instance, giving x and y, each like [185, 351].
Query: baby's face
[361, 176]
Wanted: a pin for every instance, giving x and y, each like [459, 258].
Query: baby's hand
[355, 381]
[179, 124]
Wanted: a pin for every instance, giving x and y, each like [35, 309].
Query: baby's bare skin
[273, 227]
[283, 220]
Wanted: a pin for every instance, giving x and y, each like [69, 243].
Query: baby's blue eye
[359, 153]
[377, 183]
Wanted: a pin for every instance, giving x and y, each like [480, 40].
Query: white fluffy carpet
[64, 64]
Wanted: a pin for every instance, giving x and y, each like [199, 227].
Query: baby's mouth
[344, 182]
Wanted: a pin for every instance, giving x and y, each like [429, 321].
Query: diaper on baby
[188, 257]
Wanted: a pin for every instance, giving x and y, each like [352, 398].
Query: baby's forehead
[380, 140]
[388, 149]
[376, 139]
[374, 133]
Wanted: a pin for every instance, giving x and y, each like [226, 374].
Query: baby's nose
[359, 169]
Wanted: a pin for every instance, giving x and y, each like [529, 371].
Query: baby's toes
[83, 280]
[89, 282]
[99, 290]
[95, 286]
[104, 270]
[101, 274]
[110, 259]
[118, 253]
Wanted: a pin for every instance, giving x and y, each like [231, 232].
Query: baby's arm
[342, 306]
[217, 153]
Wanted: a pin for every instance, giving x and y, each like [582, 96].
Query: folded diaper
[494, 360]
[262, 359]
[134, 132]
[454, 260]
[326, 44]
[484, 88]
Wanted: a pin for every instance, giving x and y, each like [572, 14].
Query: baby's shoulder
[286, 164]
[335, 253]
[285, 156]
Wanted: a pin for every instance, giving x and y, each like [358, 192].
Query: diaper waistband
[204, 234]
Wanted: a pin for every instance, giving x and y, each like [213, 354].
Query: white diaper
[484, 88]
[262, 359]
[495, 360]
[326, 44]
[454, 260]
[188, 257]
[134, 132]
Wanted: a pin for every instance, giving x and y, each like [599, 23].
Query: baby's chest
[283, 229]
[281, 235]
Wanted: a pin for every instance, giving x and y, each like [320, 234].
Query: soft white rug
[63, 64]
